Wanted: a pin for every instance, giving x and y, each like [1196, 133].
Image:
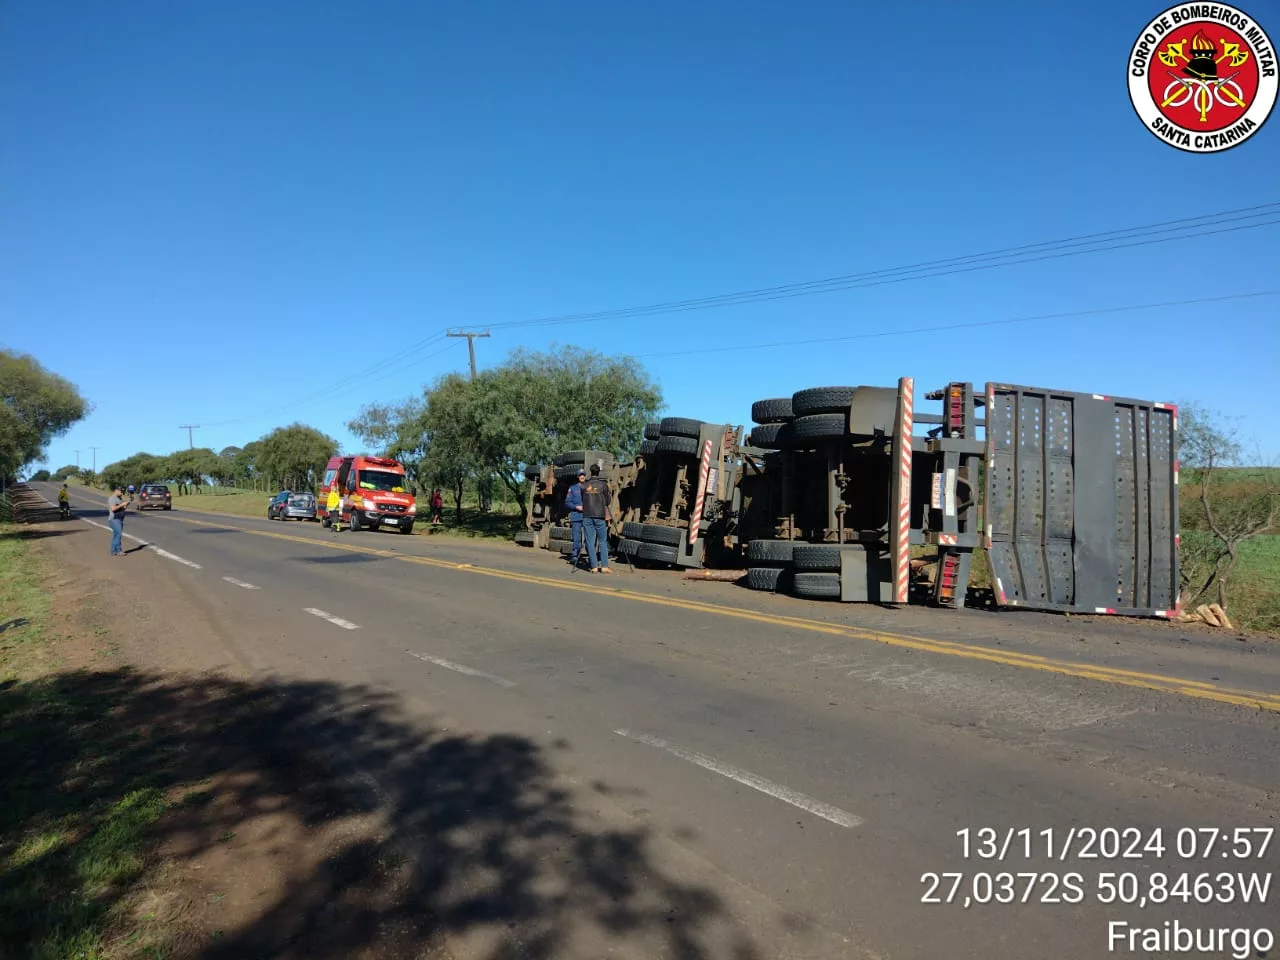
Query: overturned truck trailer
[1073, 496]
[687, 503]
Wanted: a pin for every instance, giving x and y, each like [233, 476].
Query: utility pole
[191, 444]
[77, 459]
[471, 344]
[95, 460]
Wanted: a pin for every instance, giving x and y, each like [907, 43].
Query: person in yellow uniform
[334, 508]
[64, 501]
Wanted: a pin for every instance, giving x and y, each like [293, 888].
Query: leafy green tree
[41, 476]
[227, 470]
[295, 456]
[1226, 500]
[539, 404]
[35, 406]
[525, 411]
[63, 474]
[137, 469]
[397, 431]
[191, 467]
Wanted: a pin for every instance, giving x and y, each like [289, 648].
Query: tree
[64, 473]
[295, 456]
[35, 407]
[41, 476]
[137, 469]
[1230, 502]
[226, 470]
[191, 466]
[397, 431]
[539, 404]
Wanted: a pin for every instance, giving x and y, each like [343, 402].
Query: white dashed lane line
[146, 543]
[776, 790]
[240, 583]
[336, 621]
[459, 668]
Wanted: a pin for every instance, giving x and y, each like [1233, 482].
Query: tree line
[293, 457]
[458, 434]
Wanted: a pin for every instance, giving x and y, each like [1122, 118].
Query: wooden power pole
[471, 344]
[191, 444]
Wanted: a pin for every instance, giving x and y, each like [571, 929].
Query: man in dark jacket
[573, 502]
[595, 515]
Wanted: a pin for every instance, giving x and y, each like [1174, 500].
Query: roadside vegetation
[67, 847]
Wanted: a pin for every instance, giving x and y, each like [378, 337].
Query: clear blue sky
[209, 212]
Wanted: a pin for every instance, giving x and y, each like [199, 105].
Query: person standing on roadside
[437, 506]
[116, 507]
[573, 503]
[595, 515]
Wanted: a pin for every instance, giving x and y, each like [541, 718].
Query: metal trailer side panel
[1081, 501]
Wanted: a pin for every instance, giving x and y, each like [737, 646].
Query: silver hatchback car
[287, 505]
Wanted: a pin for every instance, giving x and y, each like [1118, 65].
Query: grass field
[67, 848]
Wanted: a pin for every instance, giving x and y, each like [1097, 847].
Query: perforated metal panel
[1081, 501]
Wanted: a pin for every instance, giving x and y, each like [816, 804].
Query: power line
[1145, 235]
[941, 328]
[355, 383]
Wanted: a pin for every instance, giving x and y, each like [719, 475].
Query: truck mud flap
[1081, 501]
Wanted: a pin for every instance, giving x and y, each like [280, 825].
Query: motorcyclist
[64, 502]
[130, 492]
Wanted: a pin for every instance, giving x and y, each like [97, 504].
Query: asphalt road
[811, 764]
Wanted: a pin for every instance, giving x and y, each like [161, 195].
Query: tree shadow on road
[475, 838]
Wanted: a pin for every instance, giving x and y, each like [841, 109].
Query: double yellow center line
[1026, 661]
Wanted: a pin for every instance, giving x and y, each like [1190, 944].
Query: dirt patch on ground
[141, 752]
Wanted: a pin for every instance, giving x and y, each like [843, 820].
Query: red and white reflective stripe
[1104, 609]
[1000, 592]
[1177, 466]
[704, 470]
[946, 539]
[902, 545]
[1098, 396]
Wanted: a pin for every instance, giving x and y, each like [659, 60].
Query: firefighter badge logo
[1203, 77]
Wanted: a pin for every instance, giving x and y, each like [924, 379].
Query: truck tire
[627, 547]
[816, 586]
[570, 471]
[772, 411]
[818, 428]
[679, 427]
[570, 458]
[526, 538]
[822, 400]
[652, 431]
[770, 436]
[533, 474]
[677, 446]
[820, 556]
[774, 579]
[406, 528]
[772, 553]
[657, 552]
[562, 533]
[648, 448]
[652, 533]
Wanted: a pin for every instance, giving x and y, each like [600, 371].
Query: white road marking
[336, 621]
[776, 790]
[469, 671]
[146, 543]
[240, 583]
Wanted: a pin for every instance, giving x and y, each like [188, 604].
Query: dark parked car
[154, 496]
[287, 505]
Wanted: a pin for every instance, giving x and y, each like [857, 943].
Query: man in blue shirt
[573, 502]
